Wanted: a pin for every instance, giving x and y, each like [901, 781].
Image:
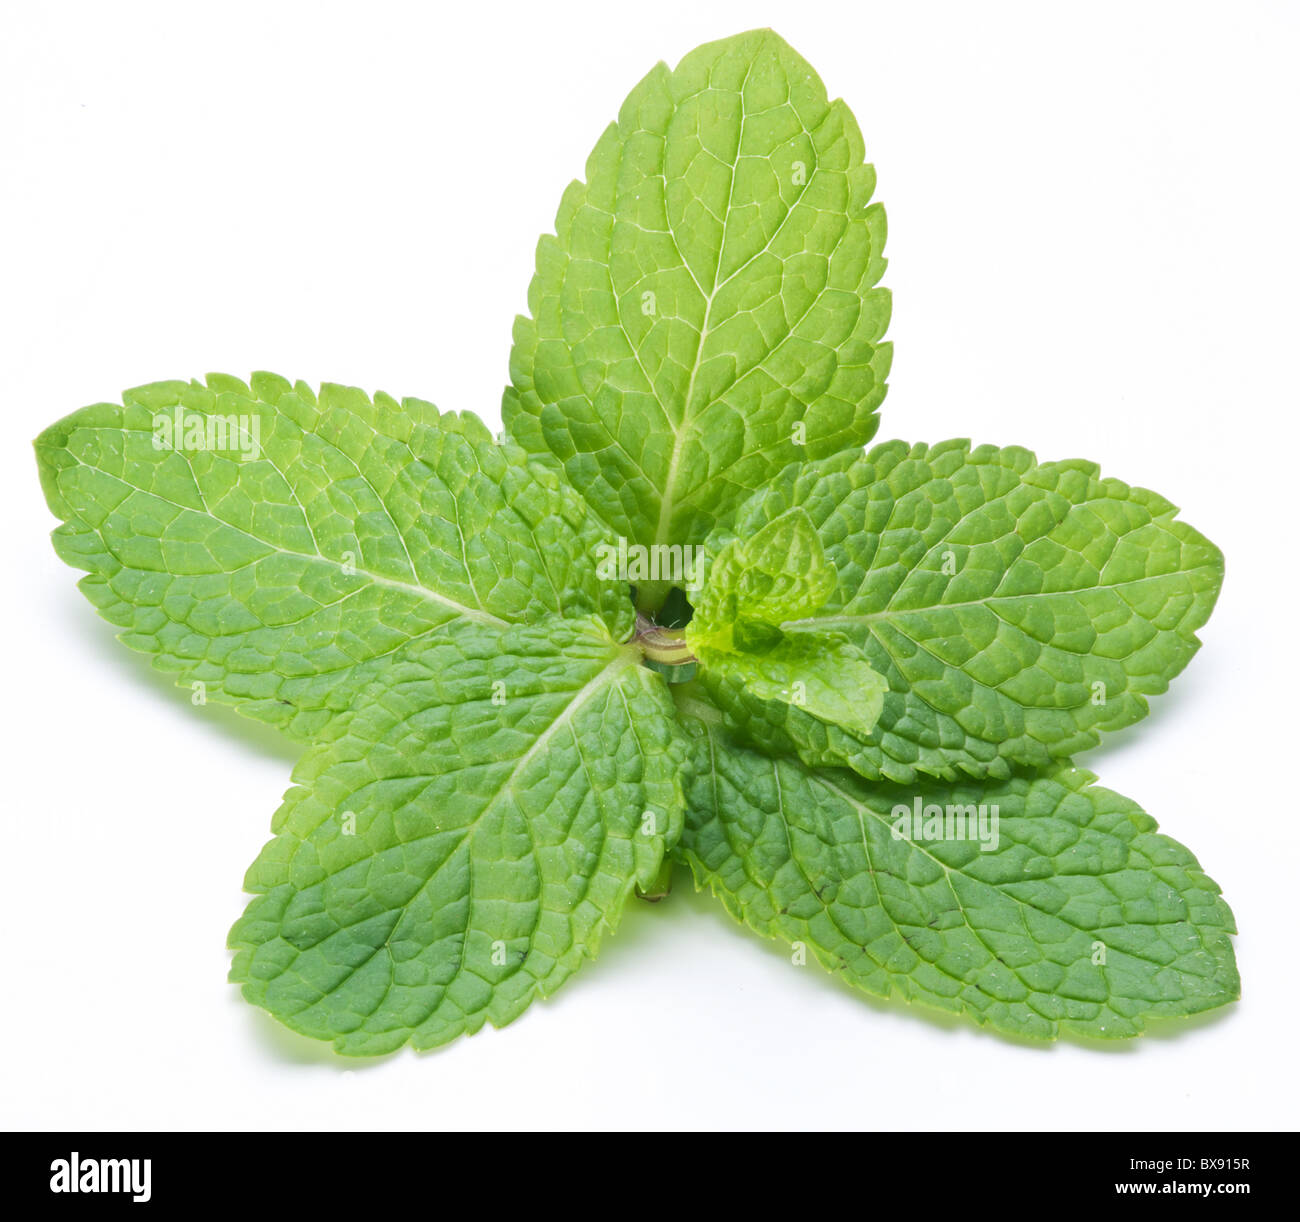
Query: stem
[666, 645]
[650, 597]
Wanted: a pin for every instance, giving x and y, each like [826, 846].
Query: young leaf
[706, 312]
[277, 547]
[779, 574]
[1016, 609]
[464, 839]
[749, 589]
[801, 677]
[1081, 919]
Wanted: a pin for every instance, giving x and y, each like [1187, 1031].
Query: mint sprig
[853, 719]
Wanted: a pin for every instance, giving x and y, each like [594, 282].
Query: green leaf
[802, 677]
[1016, 609]
[706, 313]
[465, 839]
[1082, 918]
[749, 589]
[283, 564]
[779, 574]
[497, 761]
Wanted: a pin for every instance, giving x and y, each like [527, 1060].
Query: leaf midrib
[606, 675]
[477, 614]
[679, 432]
[822, 621]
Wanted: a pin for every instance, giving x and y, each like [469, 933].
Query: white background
[1093, 251]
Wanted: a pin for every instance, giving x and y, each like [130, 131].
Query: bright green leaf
[748, 590]
[276, 547]
[781, 573]
[1081, 918]
[464, 839]
[706, 312]
[496, 761]
[801, 676]
[1016, 609]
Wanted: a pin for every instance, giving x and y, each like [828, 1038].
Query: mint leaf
[469, 833]
[495, 761]
[706, 312]
[750, 588]
[778, 574]
[1016, 609]
[1082, 918]
[801, 677]
[276, 547]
